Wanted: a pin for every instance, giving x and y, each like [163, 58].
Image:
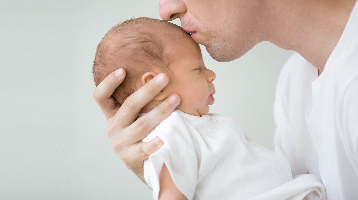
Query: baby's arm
[168, 190]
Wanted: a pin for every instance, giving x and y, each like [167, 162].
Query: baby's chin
[196, 112]
[203, 111]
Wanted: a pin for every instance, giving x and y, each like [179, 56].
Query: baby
[205, 156]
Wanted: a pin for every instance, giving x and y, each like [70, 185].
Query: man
[316, 109]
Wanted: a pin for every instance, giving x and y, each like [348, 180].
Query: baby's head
[145, 47]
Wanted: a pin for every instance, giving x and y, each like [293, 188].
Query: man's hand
[125, 132]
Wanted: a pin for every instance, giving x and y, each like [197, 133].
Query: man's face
[226, 27]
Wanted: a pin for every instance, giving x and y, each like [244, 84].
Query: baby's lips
[211, 99]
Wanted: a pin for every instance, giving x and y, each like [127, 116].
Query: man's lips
[193, 34]
[188, 30]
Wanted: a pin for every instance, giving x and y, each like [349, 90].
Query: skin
[168, 190]
[311, 28]
[222, 40]
[189, 78]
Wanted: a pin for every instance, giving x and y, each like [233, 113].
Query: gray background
[53, 142]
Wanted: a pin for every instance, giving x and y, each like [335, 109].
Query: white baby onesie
[209, 157]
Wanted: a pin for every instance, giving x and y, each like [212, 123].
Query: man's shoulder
[294, 72]
[294, 63]
[295, 58]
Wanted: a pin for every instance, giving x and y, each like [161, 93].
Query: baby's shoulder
[224, 120]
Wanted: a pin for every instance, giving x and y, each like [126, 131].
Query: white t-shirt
[209, 157]
[317, 116]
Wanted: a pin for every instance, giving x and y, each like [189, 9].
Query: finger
[145, 124]
[103, 92]
[142, 126]
[147, 148]
[129, 110]
[135, 156]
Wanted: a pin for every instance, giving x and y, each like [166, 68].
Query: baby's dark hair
[128, 46]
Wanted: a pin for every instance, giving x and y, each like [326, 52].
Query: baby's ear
[147, 77]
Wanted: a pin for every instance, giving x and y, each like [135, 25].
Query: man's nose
[171, 9]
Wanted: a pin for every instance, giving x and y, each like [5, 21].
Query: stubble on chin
[222, 53]
[226, 51]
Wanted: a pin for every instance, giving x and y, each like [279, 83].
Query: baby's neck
[154, 103]
[150, 106]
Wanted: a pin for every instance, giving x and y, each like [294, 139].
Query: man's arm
[124, 131]
[168, 190]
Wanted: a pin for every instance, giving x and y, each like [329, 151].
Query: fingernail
[173, 100]
[119, 73]
[158, 141]
[160, 79]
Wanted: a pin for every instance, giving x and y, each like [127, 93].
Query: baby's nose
[211, 76]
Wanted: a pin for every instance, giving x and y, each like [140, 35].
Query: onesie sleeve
[349, 121]
[178, 154]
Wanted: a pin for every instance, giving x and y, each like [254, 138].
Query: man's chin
[221, 56]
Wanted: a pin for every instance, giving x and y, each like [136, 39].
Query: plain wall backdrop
[53, 141]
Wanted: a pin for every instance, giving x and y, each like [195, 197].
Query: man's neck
[311, 28]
